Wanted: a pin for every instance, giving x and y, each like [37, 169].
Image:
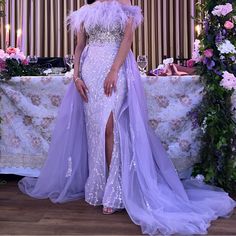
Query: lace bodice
[104, 21]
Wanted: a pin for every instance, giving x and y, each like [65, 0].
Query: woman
[102, 147]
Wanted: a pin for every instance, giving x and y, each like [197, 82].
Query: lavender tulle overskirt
[153, 194]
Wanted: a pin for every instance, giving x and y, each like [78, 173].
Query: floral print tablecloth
[29, 106]
[172, 106]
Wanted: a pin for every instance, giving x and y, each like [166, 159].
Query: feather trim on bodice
[105, 14]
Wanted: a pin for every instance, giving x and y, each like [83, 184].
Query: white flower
[228, 81]
[222, 57]
[226, 47]
[18, 56]
[196, 44]
[3, 55]
[200, 178]
[222, 10]
[69, 74]
[204, 125]
[47, 71]
[161, 67]
[168, 61]
[196, 55]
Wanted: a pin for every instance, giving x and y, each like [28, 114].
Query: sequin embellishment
[99, 35]
[69, 170]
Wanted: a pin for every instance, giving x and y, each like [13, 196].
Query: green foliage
[218, 156]
[14, 67]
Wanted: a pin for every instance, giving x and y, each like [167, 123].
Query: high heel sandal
[110, 210]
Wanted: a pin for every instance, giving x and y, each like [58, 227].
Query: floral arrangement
[13, 62]
[215, 58]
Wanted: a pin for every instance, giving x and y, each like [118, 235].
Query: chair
[49, 62]
[181, 61]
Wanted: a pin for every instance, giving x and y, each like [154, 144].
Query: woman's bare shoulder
[125, 2]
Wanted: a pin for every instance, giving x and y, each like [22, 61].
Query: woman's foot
[109, 210]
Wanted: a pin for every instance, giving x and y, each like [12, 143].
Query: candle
[18, 41]
[7, 35]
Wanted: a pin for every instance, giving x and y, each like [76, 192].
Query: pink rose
[229, 25]
[11, 50]
[25, 62]
[2, 64]
[191, 63]
[208, 53]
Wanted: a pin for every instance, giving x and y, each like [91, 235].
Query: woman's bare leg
[109, 139]
[109, 142]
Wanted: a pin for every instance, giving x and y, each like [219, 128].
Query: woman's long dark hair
[91, 1]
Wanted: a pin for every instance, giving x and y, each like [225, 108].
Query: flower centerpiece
[215, 58]
[13, 62]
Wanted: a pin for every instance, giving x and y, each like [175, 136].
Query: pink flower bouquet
[13, 62]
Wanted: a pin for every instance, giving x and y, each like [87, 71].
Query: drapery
[168, 29]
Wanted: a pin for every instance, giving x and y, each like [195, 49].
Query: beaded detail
[99, 35]
[69, 170]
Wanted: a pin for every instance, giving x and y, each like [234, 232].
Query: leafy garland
[217, 67]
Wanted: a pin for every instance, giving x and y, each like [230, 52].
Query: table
[172, 105]
[29, 107]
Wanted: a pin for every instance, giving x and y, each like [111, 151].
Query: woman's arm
[110, 82]
[81, 42]
[80, 85]
[125, 2]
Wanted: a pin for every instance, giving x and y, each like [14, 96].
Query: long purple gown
[142, 178]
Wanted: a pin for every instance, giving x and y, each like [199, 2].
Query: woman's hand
[110, 82]
[82, 88]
